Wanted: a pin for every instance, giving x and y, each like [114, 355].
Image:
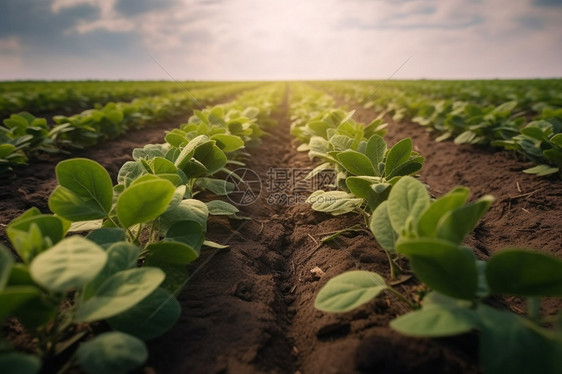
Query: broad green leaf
[173, 252]
[356, 163]
[106, 236]
[427, 223]
[541, 170]
[34, 233]
[6, 261]
[407, 168]
[176, 275]
[6, 150]
[397, 155]
[382, 229]
[189, 150]
[12, 297]
[112, 353]
[442, 266]
[144, 201]
[217, 186]
[436, 321]
[187, 210]
[221, 208]
[120, 256]
[407, 199]
[19, 363]
[334, 202]
[511, 344]
[456, 224]
[130, 171]
[228, 143]
[367, 188]
[85, 225]
[71, 263]
[349, 290]
[150, 318]
[36, 312]
[85, 191]
[376, 148]
[19, 275]
[212, 157]
[524, 273]
[119, 292]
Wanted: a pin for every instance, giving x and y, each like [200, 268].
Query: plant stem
[402, 297]
[533, 308]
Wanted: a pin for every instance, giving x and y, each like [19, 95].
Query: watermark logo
[284, 186]
[247, 186]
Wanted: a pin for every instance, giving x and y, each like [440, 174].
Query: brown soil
[249, 308]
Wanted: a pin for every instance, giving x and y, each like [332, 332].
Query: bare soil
[249, 308]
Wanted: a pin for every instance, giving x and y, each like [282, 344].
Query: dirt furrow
[251, 307]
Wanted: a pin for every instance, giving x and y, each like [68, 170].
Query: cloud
[292, 39]
[135, 7]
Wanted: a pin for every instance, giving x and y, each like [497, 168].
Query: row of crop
[64, 97]
[143, 231]
[375, 181]
[24, 135]
[528, 122]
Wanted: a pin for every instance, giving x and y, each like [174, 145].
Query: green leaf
[436, 321]
[144, 201]
[173, 252]
[176, 275]
[397, 155]
[187, 210]
[150, 318]
[112, 353]
[442, 266]
[407, 168]
[71, 263]
[407, 199]
[524, 273]
[349, 290]
[428, 221]
[217, 186]
[228, 143]
[511, 344]
[363, 187]
[355, 163]
[119, 292]
[6, 262]
[12, 297]
[221, 208]
[456, 224]
[376, 148]
[334, 202]
[106, 236]
[85, 191]
[19, 363]
[32, 234]
[382, 229]
[120, 256]
[541, 170]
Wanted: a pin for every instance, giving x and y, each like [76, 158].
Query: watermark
[247, 186]
[283, 186]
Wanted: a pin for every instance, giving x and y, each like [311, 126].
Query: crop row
[23, 135]
[143, 231]
[522, 116]
[375, 181]
[63, 97]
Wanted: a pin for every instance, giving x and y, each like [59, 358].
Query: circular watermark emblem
[247, 186]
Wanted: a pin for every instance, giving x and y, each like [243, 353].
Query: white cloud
[322, 39]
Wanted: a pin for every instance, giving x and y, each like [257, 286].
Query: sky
[280, 39]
